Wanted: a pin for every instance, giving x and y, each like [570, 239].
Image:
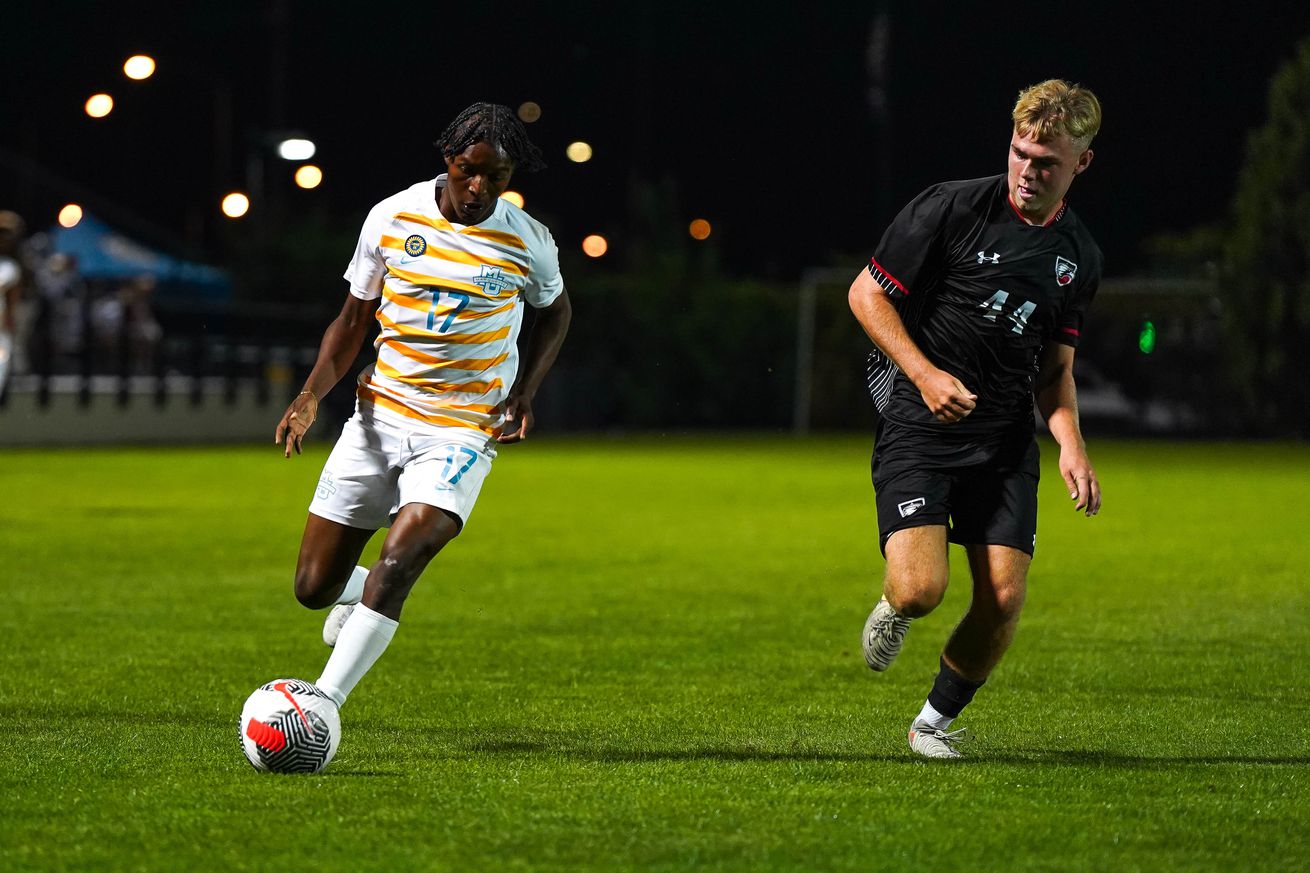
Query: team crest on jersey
[1065, 270]
[415, 245]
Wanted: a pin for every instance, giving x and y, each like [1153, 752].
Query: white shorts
[377, 467]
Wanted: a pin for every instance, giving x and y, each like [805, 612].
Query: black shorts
[982, 489]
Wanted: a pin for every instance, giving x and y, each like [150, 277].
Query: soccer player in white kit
[445, 267]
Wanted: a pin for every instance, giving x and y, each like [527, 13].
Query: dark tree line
[1265, 274]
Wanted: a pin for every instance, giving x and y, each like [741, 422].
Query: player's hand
[946, 398]
[298, 418]
[1080, 478]
[518, 419]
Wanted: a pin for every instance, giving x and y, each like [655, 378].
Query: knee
[313, 590]
[1002, 603]
[396, 575]
[916, 596]
[1009, 602]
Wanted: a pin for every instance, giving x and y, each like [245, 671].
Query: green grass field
[643, 654]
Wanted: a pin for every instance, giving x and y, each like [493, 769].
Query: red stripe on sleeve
[890, 276]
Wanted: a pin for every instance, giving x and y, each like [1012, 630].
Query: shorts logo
[993, 258]
[910, 507]
[1065, 270]
[415, 245]
[326, 486]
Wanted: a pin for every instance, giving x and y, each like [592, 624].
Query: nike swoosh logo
[282, 686]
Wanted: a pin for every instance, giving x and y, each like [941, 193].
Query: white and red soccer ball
[289, 726]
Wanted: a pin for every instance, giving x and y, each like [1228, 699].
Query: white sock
[354, 590]
[934, 718]
[364, 638]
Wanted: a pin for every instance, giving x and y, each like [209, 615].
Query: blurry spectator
[11, 286]
[125, 329]
[59, 327]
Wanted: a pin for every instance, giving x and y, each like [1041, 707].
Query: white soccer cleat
[884, 633]
[335, 621]
[930, 742]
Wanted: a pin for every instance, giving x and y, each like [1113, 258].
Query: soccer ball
[289, 726]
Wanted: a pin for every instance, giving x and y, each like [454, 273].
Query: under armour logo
[994, 257]
[492, 280]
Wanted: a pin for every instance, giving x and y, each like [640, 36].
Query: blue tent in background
[102, 253]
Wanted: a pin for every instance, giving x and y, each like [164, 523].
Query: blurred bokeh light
[595, 245]
[70, 215]
[529, 112]
[513, 197]
[236, 205]
[309, 176]
[99, 105]
[296, 149]
[578, 152]
[699, 229]
[139, 67]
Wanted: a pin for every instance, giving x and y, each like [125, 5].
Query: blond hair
[1054, 107]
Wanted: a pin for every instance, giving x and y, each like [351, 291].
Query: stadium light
[529, 112]
[139, 67]
[236, 205]
[699, 229]
[70, 215]
[99, 105]
[595, 245]
[578, 152]
[513, 197]
[296, 149]
[309, 176]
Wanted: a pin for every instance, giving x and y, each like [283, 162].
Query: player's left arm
[549, 327]
[1057, 400]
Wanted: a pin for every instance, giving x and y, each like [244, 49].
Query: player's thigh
[998, 507]
[329, 551]
[908, 499]
[446, 473]
[917, 568]
[358, 486]
[1000, 577]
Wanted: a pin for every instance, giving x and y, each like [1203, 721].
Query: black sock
[951, 692]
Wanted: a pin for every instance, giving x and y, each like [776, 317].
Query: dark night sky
[758, 118]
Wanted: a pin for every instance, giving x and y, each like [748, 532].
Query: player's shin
[362, 641]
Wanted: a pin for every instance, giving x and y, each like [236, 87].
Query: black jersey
[981, 291]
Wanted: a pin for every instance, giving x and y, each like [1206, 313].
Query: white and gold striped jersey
[452, 305]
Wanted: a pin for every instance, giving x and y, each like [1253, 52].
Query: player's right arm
[947, 399]
[341, 344]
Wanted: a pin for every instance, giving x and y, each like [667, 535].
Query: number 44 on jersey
[994, 307]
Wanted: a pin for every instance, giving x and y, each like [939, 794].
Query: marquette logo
[910, 507]
[492, 280]
[415, 245]
[327, 486]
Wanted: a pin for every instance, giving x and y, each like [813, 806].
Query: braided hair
[493, 124]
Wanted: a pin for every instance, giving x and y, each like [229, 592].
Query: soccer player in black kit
[975, 300]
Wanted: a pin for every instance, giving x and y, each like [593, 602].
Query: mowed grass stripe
[643, 654]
